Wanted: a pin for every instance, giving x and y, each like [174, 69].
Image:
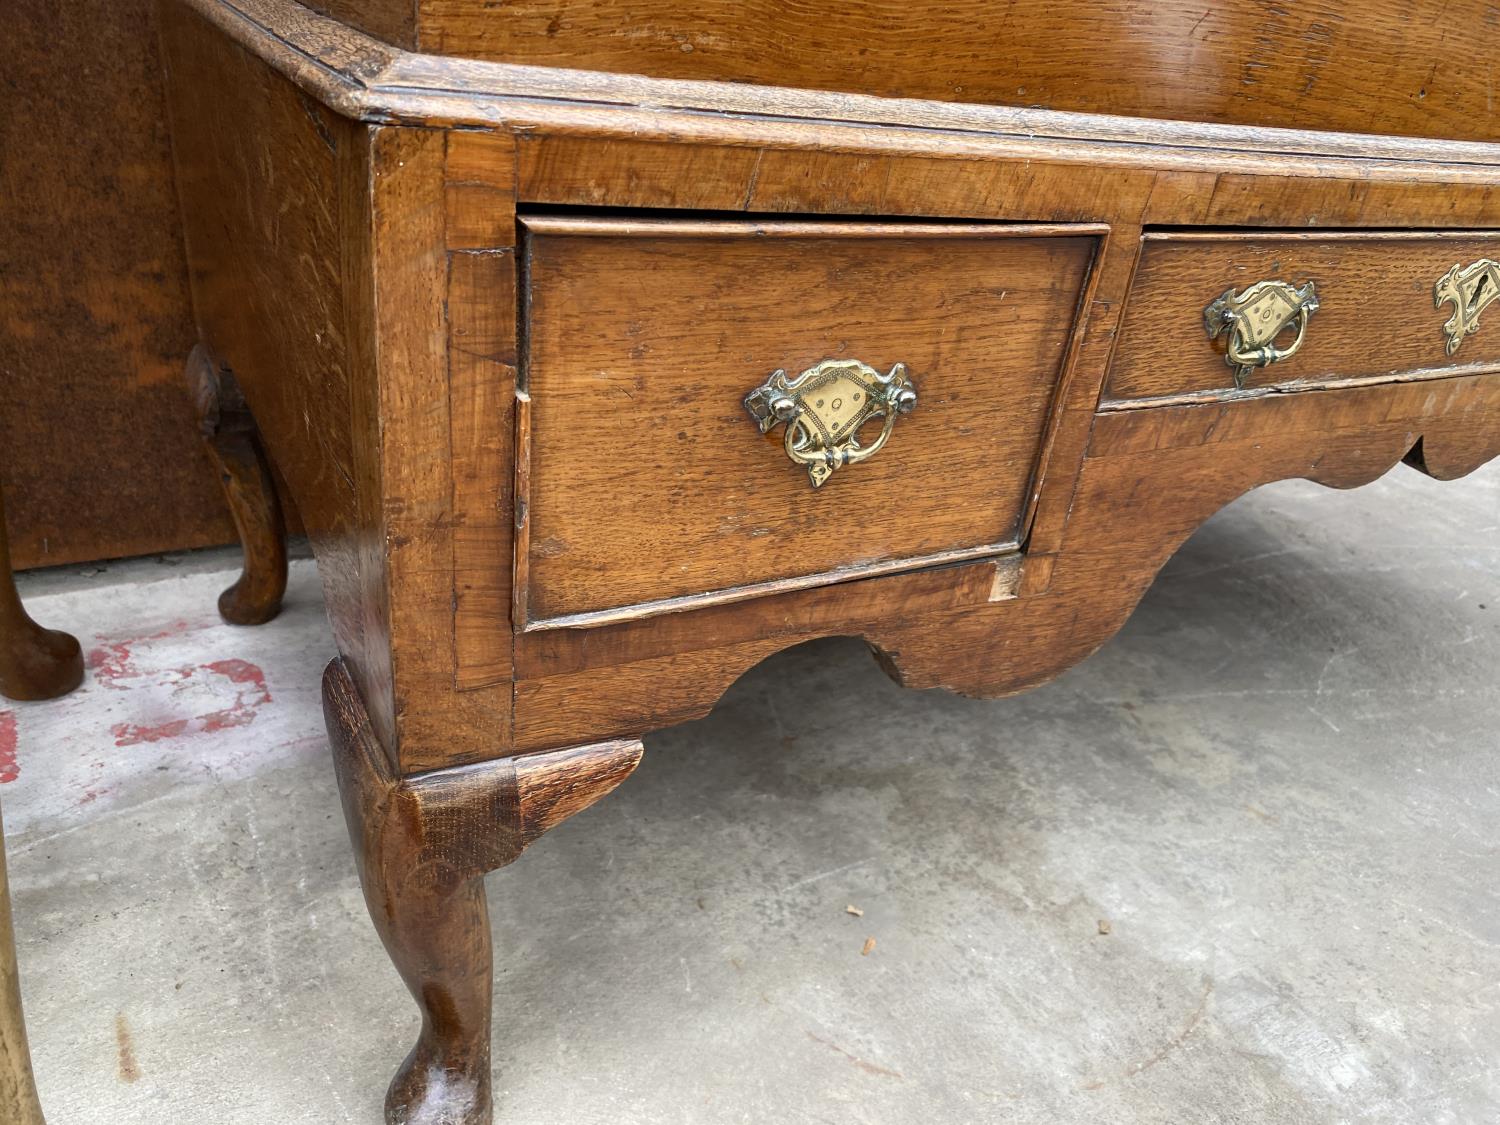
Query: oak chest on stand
[603, 366]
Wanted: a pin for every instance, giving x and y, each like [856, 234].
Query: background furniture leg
[35, 663]
[422, 845]
[233, 443]
[18, 1100]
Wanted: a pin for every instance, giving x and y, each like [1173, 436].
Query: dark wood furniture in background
[95, 314]
[524, 343]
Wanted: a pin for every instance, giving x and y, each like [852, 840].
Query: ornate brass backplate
[1471, 289]
[824, 408]
[1253, 319]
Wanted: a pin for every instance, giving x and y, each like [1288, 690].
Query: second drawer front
[1376, 318]
[649, 480]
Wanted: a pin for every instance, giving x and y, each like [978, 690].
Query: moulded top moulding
[1327, 64]
[370, 79]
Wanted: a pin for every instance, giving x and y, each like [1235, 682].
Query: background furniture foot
[35, 663]
[234, 444]
[423, 845]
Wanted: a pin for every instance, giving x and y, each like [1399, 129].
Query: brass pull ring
[1253, 319]
[825, 407]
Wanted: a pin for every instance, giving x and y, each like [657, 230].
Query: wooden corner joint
[467, 820]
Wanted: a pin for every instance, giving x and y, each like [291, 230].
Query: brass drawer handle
[1471, 289]
[824, 408]
[1253, 319]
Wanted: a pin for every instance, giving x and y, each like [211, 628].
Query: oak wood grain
[1211, 454]
[863, 172]
[648, 479]
[394, 21]
[480, 190]
[1150, 479]
[275, 192]
[417, 470]
[479, 204]
[1077, 400]
[369, 80]
[1369, 69]
[323, 285]
[482, 378]
[1377, 319]
[787, 613]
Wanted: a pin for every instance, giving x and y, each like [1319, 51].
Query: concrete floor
[1279, 790]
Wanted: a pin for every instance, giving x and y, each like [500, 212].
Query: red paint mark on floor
[130, 734]
[251, 694]
[10, 767]
[114, 661]
[111, 663]
[240, 672]
[237, 716]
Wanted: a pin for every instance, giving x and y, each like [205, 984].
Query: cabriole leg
[234, 445]
[423, 845]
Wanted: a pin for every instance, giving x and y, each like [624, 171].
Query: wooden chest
[594, 388]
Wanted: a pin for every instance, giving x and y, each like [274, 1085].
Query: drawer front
[645, 478]
[1378, 314]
